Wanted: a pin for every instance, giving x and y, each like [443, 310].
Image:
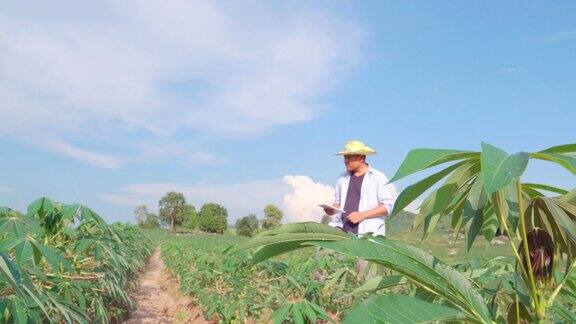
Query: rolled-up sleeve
[337, 190]
[336, 220]
[386, 193]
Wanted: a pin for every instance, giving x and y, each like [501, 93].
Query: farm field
[63, 263]
[216, 272]
[463, 270]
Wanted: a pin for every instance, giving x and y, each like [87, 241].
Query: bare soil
[158, 299]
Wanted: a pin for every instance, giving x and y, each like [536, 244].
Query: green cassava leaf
[444, 200]
[419, 267]
[570, 197]
[51, 255]
[40, 207]
[297, 314]
[10, 271]
[568, 162]
[18, 312]
[309, 312]
[400, 309]
[290, 237]
[564, 221]
[280, 314]
[412, 192]
[473, 212]
[18, 225]
[420, 159]
[489, 223]
[566, 148]
[539, 186]
[379, 282]
[499, 168]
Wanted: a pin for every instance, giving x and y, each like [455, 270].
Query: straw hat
[356, 148]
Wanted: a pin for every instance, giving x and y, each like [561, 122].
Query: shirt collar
[370, 170]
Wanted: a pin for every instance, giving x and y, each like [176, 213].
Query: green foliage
[272, 217]
[300, 312]
[152, 221]
[499, 169]
[491, 198]
[418, 266]
[247, 225]
[191, 218]
[204, 265]
[213, 218]
[421, 268]
[172, 209]
[230, 288]
[291, 237]
[400, 308]
[146, 219]
[63, 263]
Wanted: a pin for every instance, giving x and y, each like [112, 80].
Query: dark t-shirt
[352, 202]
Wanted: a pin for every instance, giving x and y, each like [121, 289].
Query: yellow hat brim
[362, 152]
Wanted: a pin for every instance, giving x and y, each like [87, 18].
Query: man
[362, 192]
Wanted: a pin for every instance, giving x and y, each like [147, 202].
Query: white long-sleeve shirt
[375, 190]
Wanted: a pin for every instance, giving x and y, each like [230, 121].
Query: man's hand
[356, 217]
[330, 211]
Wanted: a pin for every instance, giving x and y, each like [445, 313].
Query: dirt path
[158, 298]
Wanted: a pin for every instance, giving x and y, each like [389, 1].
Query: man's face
[353, 162]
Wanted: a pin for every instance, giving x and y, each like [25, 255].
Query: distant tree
[326, 219]
[213, 218]
[172, 209]
[146, 219]
[247, 225]
[190, 217]
[141, 213]
[152, 221]
[272, 216]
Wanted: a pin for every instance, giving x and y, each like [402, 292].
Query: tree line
[176, 213]
[250, 225]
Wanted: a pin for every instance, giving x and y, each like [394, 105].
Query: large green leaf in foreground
[399, 309]
[419, 267]
[290, 237]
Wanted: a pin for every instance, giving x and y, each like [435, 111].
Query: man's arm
[378, 211]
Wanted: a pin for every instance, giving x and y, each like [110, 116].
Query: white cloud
[302, 203]
[119, 76]
[96, 159]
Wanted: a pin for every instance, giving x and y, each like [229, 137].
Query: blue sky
[112, 104]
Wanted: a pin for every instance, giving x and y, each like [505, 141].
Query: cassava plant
[62, 263]
[481, 194]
